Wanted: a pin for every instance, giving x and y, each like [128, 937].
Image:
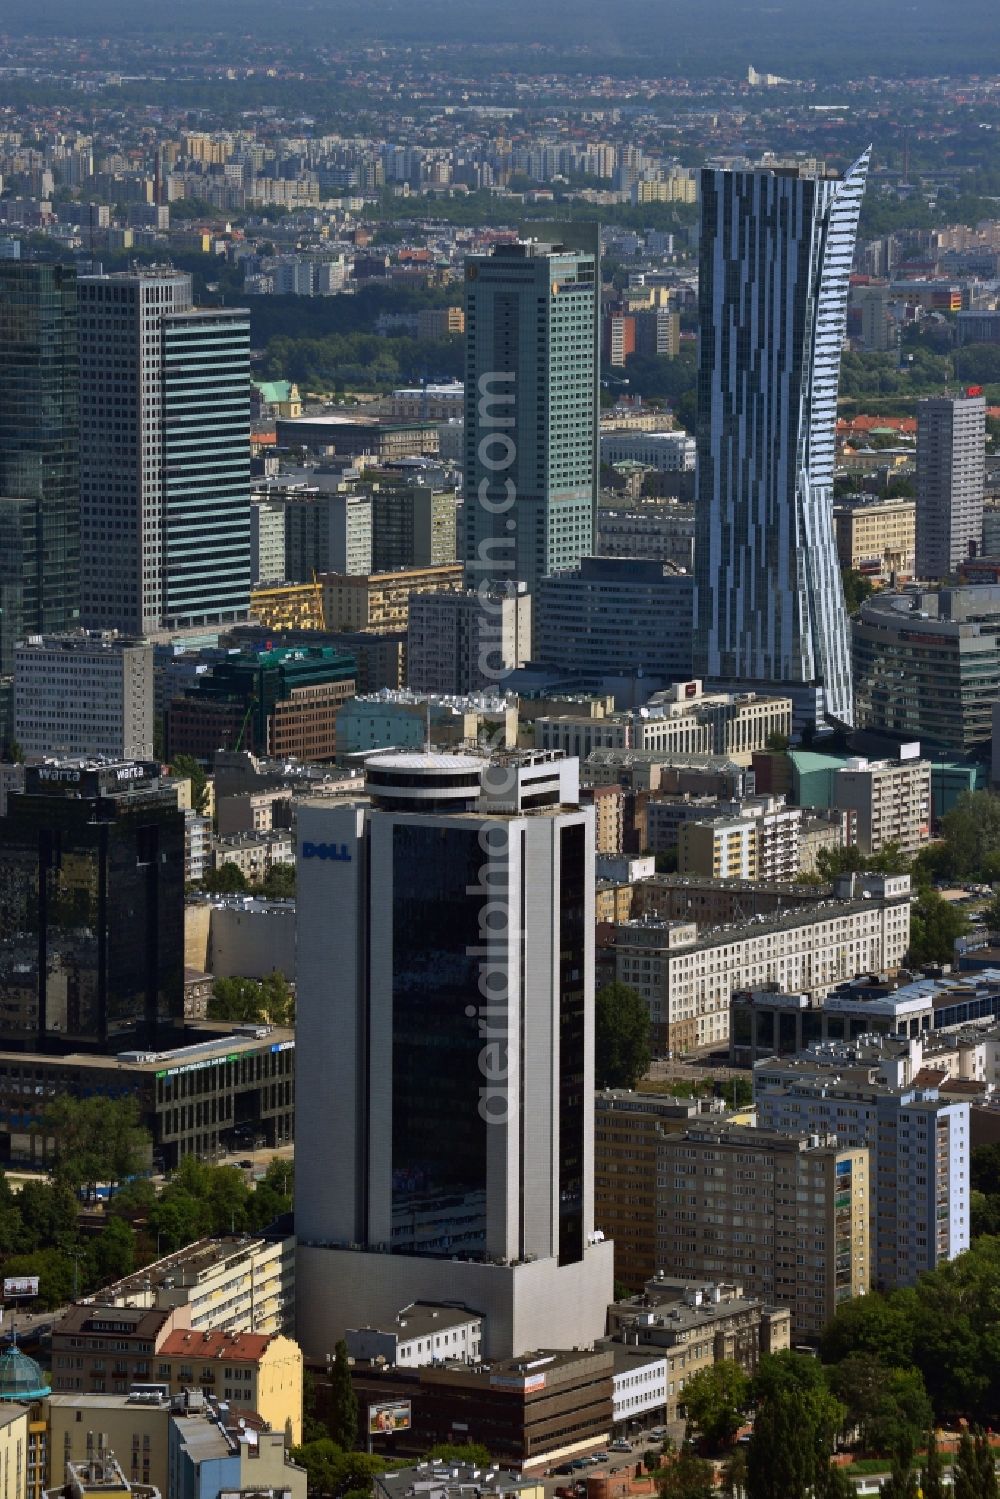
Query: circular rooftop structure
[424, 782]
[21, 1378]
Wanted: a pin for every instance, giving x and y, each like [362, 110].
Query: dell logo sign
[326, 851]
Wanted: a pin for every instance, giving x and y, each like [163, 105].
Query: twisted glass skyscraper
[776, 252]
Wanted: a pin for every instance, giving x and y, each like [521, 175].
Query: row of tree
[802, 1413]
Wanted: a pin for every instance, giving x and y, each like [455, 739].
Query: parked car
[620, 1446]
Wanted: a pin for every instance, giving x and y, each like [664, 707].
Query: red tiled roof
[248, 1347]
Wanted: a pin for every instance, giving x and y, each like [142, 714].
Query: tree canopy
[715, 1401]
[622, 1050]
[249, 1000]
[946, 1327]
[795, 1427]
[97, 1139]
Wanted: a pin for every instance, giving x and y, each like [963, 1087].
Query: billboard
[393, 1415]
[20, 1285]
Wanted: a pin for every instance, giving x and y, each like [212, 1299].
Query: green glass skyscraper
[39, 452]
[531, 405]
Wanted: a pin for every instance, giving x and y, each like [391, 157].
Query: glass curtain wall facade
[206, 458]
[531, 407]
[39, 457]
[92, 914]
[775, 261]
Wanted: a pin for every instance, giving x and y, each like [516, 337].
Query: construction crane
[320, 610]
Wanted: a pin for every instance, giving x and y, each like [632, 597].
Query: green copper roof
[20, 1377]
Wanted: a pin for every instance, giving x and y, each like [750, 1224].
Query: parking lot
[611, 1458]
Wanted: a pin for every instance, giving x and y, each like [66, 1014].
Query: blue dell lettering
[326, 851]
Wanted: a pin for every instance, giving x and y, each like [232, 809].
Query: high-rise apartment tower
[775, 260]
[951, 477]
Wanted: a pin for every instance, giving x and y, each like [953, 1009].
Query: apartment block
[261, 1372]
[237, 1284]
[627, 1130]
[379, 602]
[787, 1214]
[890, 800]
[608, 803]
[919, 1145]
[326, 531]
[758, 839]
[711, 902]
[267, 541]
[951, 469]
[413, 526]
[723, 848]
[687, 976]
[465, 642]
[85, 693]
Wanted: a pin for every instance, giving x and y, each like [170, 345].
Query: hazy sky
[811, 38]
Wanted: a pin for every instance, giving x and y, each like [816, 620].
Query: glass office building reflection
[39, 452]
[438, 1175]
[91, 910]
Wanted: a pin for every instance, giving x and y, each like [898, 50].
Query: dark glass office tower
[39, 452]
[91, 910]
[445, 1033]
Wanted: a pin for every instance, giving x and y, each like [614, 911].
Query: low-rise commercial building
[422, 1334]
[771, 1022]
[539, 1408]
[408, 719]
[230, 1086]
[787, 1214]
